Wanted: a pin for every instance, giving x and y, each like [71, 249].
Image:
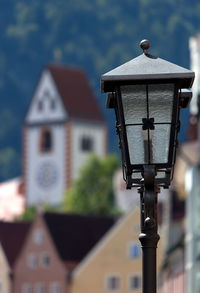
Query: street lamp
[147, 94]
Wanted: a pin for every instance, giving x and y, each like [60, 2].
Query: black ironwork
[145, 45]
[148, 123]
[147, 70]
[149, 229]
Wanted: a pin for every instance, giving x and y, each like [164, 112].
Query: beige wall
[54, 273]
[111, 256]
[4, 273]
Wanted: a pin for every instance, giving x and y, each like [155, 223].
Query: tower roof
[77, 96]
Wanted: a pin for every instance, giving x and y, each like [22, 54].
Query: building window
[40, 288]
[134, 250]
[46, 140]
[38, 237]
[26, 288]
[87, 144]
[55, 288]
[45, 260]
[40, 105]
[53, 104]
[135, 282]
[1, 286]
[113, 283]
[159, 281]
[32, 261]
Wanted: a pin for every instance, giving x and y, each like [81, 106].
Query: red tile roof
[12, 236]
[77, 96]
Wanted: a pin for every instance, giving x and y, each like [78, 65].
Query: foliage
[9, 162]
[94, 35]
[28, 215]
[30, 212]
[92, 192]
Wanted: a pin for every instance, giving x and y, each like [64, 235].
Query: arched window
[46, 140]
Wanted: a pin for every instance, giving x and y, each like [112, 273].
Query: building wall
[5, 281]
[95, 132]
[111, 257]
[194, 46]
[29, 269]
[45, 171]
[62, 164]
[192, 239]
[46, 91]
[175, 283]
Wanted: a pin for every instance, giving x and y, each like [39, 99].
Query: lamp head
[147, 94]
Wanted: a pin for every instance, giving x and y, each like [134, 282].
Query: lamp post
[147, 94]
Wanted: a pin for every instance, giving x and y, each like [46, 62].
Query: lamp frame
[144, 70]
[128, 168]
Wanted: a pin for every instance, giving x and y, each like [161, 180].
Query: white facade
[96, 134]
[192, 239]
[41, 109]
[56, 145]
[45, 172]
[194, 45]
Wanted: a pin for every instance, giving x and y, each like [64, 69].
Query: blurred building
[62, 127]
[125, 199]
[192, 181]
[115, 263]
[12, 199]
[182, 263]
[194, 46]
[72, 253]
[41, 257]
[173, 272]
[12, 237]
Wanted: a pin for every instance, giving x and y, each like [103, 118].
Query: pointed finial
[145, 45]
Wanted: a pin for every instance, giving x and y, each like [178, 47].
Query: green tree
[28, 215]
[92, 192]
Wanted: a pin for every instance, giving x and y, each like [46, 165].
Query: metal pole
[149, 230]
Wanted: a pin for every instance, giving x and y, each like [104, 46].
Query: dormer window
[53, 104]
[40, 105]
[46, 140]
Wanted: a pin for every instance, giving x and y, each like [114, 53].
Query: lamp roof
[146, 67]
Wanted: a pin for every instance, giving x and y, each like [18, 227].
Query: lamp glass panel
[134, 103]
[138, 175]
[136, 144]
[160, 143]
[148, 149]
[160, 98]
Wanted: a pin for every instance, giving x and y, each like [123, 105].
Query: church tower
[62, 127]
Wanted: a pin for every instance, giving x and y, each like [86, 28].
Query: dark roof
[146, 67]
[12, 236]
[75, 235]
[77, 96]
